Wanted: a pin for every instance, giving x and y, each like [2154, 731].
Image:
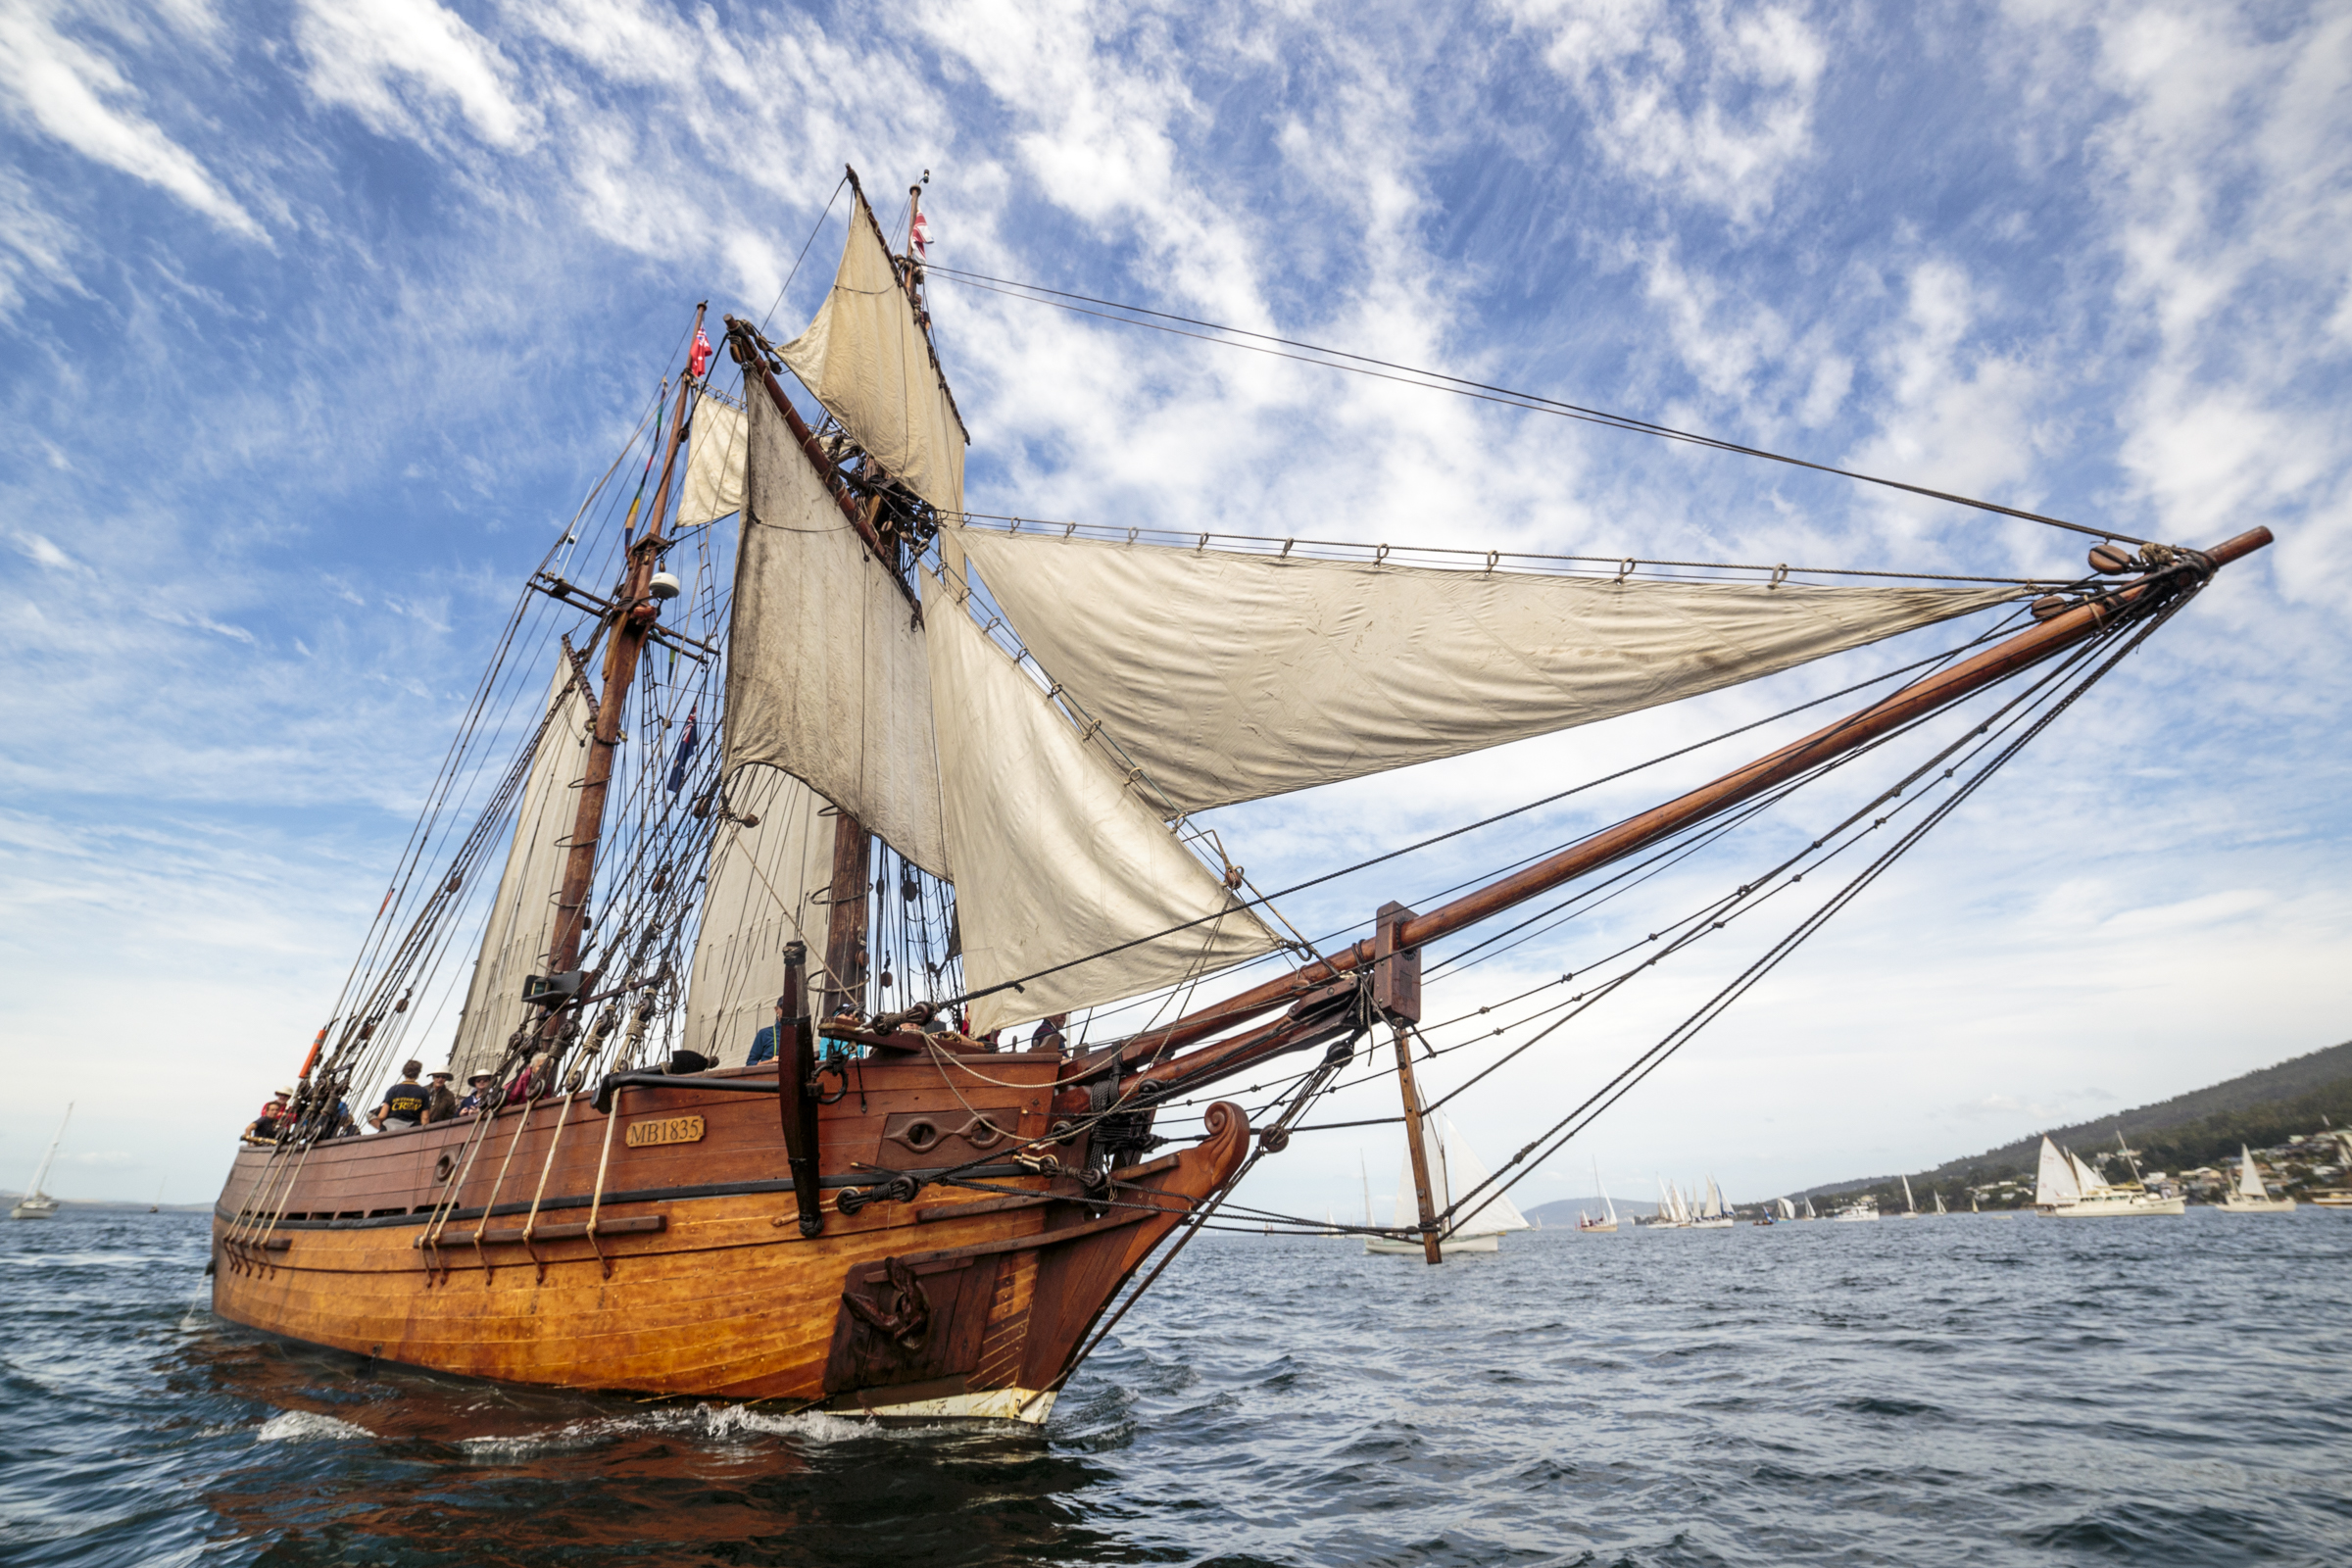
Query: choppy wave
[1979, 1392]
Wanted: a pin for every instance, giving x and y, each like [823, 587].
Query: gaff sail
[1230, 676]
[522, 914]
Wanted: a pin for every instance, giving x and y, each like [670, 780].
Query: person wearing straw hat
[482, 1089]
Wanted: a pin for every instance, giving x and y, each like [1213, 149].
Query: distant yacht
[1586, 1222]
[1712, 1215]
[1940, 1210]
[1809, 1214]
[2249, 1196]
[2065, 1187]
[1787, 1209]
[36, 1203]
[1910, 1204]
[1451, 1167]
[1674, 1214]
[1861, 1209]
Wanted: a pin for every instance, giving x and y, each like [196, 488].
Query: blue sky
[320, 317]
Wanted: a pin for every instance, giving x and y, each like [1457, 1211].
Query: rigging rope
[1461, 386]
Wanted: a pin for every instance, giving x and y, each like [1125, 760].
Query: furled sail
[868, 360]
[522, 914]
[827, 674]
[766, 888]
[1230, 676]
[2054, 1183]
[1056, 856]
[714, 463]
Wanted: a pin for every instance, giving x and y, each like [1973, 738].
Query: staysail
[2249, 1180]
[768, 886]
[2054, 1183]
[869, 361]
[827, 674]
[1229, 676]
[522, 914]
[2085, 1174]
[1056, 857]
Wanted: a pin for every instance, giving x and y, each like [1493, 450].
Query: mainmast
[633, 615]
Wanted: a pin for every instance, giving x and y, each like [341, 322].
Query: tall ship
[822, 898]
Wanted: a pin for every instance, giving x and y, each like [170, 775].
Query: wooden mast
[1946, 686]
[634, 612]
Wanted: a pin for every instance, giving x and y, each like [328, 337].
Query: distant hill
[1562, 1211]
[2258, 1108]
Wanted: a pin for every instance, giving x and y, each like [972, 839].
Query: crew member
[405, 1102]
[275, 1116]
[480, 1091]
[1049, 1035]
[441, 1104]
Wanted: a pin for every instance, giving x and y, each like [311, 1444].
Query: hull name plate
[664, 1130]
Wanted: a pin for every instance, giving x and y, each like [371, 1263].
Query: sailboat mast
[1417, 1148]
[635, 612]
[1951, 685]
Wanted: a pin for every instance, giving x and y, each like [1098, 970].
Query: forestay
[767, 888]
[868, 360]
[827, 674]
[1056, 856]
[522, 914]
[1230, 676]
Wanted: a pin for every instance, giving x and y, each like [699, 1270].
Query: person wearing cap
[480, 1091]
[275, 1116]
[405, 1102]
[440, 1105]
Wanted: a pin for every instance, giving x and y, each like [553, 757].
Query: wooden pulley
[2051, 607]
[2112, 559]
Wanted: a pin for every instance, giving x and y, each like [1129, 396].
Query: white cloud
[360, 54]
[1714, 100]
[78, 96]
[41, 551]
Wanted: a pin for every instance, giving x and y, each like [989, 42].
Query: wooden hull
[697, 1280]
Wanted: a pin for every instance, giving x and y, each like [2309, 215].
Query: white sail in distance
[2054, 1183]
[2087, 1175]
[1494, 1214]
[516, 938]
[869, 361]
[2249, 1180]
[1229, 676]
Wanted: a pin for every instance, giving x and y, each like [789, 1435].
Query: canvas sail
[1910, 1204]
[714, 476]
[1712, 1208]
[868, 360]
[2054, 1183]
[1495, 1213]
[826, 675]
[1056, 857]
[2249, 1180]
[2085, 1174]
[767, 887]
[522, 914]
[1229, 677]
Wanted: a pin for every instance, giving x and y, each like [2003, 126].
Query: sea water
[1981, 1390]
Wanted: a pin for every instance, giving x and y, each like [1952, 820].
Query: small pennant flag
[699, 359]
[686, 744]
[920, 235]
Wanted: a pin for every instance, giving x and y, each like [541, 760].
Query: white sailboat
[1586, 1222]
[2249, 1196]
[1861, 1209]
[1910, 1204]
[1940, 1210]
[1712, 1215]
[1452, 1168]
[1809, 1214]
[2065, 1187]
[36, 1203]
[1673, 1213]
[1786, 1210]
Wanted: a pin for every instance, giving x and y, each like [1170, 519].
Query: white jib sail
[1230, 676]
[2249, 1180]
[1495, 1213]
[715, 478]
[1910, 1204]
[826, 676]
[2054, 1184]
[522, 914]
[1056, 857]
[766, 888]
[867, 360]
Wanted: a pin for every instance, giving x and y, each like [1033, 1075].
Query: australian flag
[686, 743]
